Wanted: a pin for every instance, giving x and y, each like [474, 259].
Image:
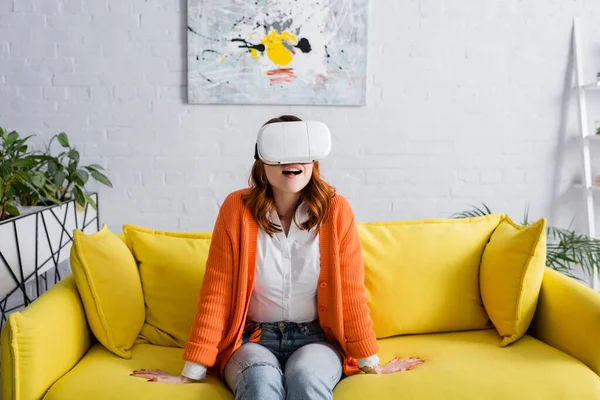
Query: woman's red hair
[316, 195]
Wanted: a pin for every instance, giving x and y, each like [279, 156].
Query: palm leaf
[526, 216]
[474, 212]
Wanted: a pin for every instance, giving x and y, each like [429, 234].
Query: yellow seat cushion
[471, 366]
[423, 276]
[102, 376]
[458, 366]
[511, 275]
[171, 266]
[107, 279]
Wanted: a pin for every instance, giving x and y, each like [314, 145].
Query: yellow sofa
[49, 351]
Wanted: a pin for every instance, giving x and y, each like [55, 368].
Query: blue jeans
[292, 361]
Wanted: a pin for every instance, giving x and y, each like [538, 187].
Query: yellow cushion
[511, 275]
[102, 376]
[471, 365]
[423, 276]
[171, 268]
[43, 342]
[109, 284]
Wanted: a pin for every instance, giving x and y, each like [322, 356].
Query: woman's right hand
[156, 375]
[397, 365]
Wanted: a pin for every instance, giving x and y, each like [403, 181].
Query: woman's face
[289, 178]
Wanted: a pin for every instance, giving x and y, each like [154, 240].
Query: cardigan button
[323, 284]
[322, 309]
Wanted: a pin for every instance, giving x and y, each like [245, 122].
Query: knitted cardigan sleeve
[358, 325]
[215, 295]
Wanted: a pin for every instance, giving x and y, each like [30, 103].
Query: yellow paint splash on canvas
[276, 51]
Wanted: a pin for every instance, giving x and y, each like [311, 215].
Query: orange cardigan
[229, 278]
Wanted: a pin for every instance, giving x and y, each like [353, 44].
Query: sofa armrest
[42, 342]
[568, 318]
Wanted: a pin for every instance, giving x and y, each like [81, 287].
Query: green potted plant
[41, 236]
[20, 176]
[564, 249]
[68, 177]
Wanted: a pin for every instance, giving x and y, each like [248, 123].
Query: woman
[284, 273]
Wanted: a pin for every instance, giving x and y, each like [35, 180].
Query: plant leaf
[23, 163]
[49, 196]
[38, 179]
[78, 180]
[12, 210]
[83, 176]
[79, 196]
[12, 137]
[526, 216]
[63, 139]
[41, 157]
[74, 155]
[91, 201]
[474, 212]
[59, 179]
[53, 168]
[100, 177]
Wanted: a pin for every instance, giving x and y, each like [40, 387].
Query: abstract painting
[277, 51]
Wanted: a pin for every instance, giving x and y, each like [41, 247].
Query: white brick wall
[463, 106]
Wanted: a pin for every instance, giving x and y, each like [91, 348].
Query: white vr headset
[301, 142]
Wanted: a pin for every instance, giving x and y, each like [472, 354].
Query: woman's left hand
[397, 365]
[157, 375]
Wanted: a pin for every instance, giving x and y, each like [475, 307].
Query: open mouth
[291, 171]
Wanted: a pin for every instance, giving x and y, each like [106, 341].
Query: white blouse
[285, 282]
[287, 274]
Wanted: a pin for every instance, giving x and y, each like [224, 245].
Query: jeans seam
[332, 379]
[262, 364]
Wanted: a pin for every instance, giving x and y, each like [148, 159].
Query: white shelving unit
[582, 89]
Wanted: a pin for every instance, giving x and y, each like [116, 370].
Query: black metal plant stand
[47, 269]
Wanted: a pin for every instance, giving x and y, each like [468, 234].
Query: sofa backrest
[421, 276]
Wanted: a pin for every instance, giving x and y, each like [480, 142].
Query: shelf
[593, 138]
[591, 86]
[593, 188]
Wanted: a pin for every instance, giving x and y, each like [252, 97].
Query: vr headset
[296, 142]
